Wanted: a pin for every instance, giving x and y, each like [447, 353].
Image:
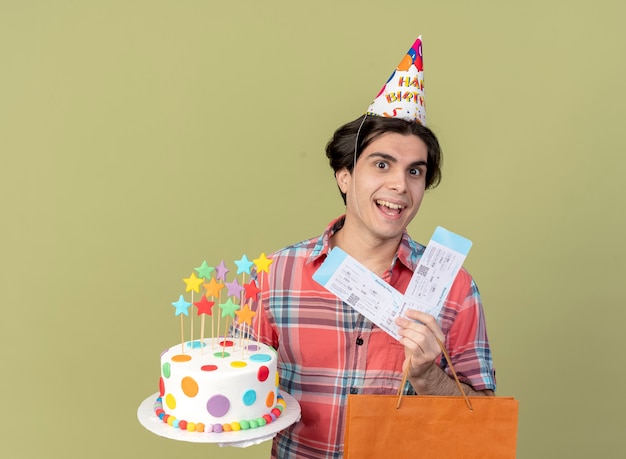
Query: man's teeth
[391, 205]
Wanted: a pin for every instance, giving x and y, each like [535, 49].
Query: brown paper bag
[435, 427]
[430, 427]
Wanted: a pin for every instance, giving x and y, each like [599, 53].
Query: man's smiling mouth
[389, 207]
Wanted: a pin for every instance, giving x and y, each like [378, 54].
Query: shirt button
[354, 390]
[359, 341]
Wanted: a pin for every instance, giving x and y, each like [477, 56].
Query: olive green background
[139, 138]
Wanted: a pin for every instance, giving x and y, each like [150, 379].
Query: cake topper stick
[181, 308]
[193, 285]
[218, 331]
[252, 294]
[228, 310]
[241, 303]
[220, 274]
[234, 292]
[243, 268]
[202, 333]
[182, 335]
[204, 307]
[262, 266]
[213, 289]
[244, 316]
[204, 272]
[191, 326]
[213, 331]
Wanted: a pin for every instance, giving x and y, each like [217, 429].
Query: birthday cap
[403, 94]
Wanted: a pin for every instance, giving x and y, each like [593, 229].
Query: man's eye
[415, 172]
[381, 165]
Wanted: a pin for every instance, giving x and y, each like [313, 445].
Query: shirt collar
[406, 254]
[322, 247]
[407, 251]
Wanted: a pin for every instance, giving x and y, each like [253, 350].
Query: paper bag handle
[456, 378]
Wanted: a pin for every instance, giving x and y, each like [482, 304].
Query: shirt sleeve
[463, 322]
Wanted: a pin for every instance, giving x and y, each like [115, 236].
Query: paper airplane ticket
[370, 295]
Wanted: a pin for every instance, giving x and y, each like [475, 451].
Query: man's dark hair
[340, 150]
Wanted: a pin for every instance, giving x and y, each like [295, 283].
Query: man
[327, 350]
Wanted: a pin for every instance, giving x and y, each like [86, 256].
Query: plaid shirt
[326, 350]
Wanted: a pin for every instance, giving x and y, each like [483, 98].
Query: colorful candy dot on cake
[221, 355]
[181, 358]
[253, 423]
[200, 427]
[208, 367]
[217, 428]
[263, 373]
[191, 426]
[261, 422]
[195, 344]
[249, 397]
[227, 427]
[268, 418]
[170, 401]
[171, 419]
[236, 426]
[182, 425]
[189, 386]
[161, 387]
[165, 418]
[238, 364]
[218, 406]
[269, 400]
[245, 425]
[276, 412]
[260, 357]
[166, 369]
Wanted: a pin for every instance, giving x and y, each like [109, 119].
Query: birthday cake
[226, 385]
[220, 383]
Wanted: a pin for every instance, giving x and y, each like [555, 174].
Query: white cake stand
[241, 438]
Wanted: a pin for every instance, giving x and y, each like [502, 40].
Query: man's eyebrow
[377, 154]
[392, 159]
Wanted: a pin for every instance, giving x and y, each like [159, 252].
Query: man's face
[386, 187]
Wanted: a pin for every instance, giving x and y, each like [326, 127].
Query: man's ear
[343, 179]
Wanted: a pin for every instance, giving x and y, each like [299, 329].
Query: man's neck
[374, 253]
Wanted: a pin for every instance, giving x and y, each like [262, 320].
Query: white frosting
[244, 386]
